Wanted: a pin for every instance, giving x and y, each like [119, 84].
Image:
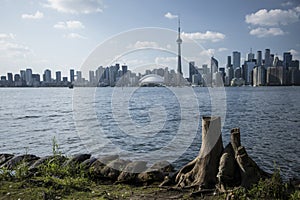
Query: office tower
[251, 55]
[17, 78]
[228, 61]
[271, 60]
[249, 66]
[287, 60]
[238, 72]
[236, 59]
[192, 70]
[58, 76]
[47, 76]
[229, 75]
[10, 78]
[92, 77]
[28, 77]
[23, 75]
[267, 58]
[275, 76]
[214, 65]
[179, 41]
[79, 76]
[124, 69]
[72, 75]
[205, 69]
[259, 58]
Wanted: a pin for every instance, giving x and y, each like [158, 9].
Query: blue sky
[61, 34]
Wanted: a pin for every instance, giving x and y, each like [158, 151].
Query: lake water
[152, 123]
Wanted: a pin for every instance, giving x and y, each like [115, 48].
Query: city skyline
[59, 35]
[256, 71]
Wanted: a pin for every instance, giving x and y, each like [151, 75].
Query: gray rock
[112, 170]
[77, 159]
[163, 166]
[88, 163]
[131, 171]
[15, 161]
[5, 157]
[107, 159]
[151, 177]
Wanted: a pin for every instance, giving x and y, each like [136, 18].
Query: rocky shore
[216, 173]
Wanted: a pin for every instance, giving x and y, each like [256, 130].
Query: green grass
[52, 180]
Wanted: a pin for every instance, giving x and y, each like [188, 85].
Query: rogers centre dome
[151, 80]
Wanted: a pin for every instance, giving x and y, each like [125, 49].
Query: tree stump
[249, 170]
[201, 173]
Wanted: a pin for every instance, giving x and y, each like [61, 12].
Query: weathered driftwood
[202, 172]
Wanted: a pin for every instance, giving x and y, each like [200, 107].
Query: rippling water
[147, 123]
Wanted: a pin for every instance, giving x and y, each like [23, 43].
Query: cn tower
[179, 41]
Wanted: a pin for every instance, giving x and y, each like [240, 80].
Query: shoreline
[99, 178]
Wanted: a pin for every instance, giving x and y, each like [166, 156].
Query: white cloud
[10, 48]
[222, 49]
[207, 36]
[37, 15]
[145, 44]
[76, 6]
[170, 16]
[273, 17]
[69, 25]
[207, 52]
[265, 32]
[74, 36]
[4, 36]
[166, 61]
[295, 53]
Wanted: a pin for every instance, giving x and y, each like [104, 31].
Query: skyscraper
[236, 59]
[72, 75]
[58, 76]
[287, 60]
[228, 61]
[259, 58]
[267, 58]
[251, 55]
[28, 77]
[179, 41]
[47, 76]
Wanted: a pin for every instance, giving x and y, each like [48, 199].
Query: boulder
[5, 157]
[131, 171]
[15, 161]
[163, 166]
[77, 159]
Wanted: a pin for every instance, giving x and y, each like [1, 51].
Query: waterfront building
[28, 77]
[238, 73]
[124, 69]
[192, 70]
[47, 76]
[276, 76]
[92, 78]
[72, 75]
[251, 55]
[287, 60]
[236, 59]
[267, 58]
[10, 79]
[229, 75]
[228, 62]
[58, 76]
[79, 78]
[259, 58]
[36, 80]
[248, 68]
